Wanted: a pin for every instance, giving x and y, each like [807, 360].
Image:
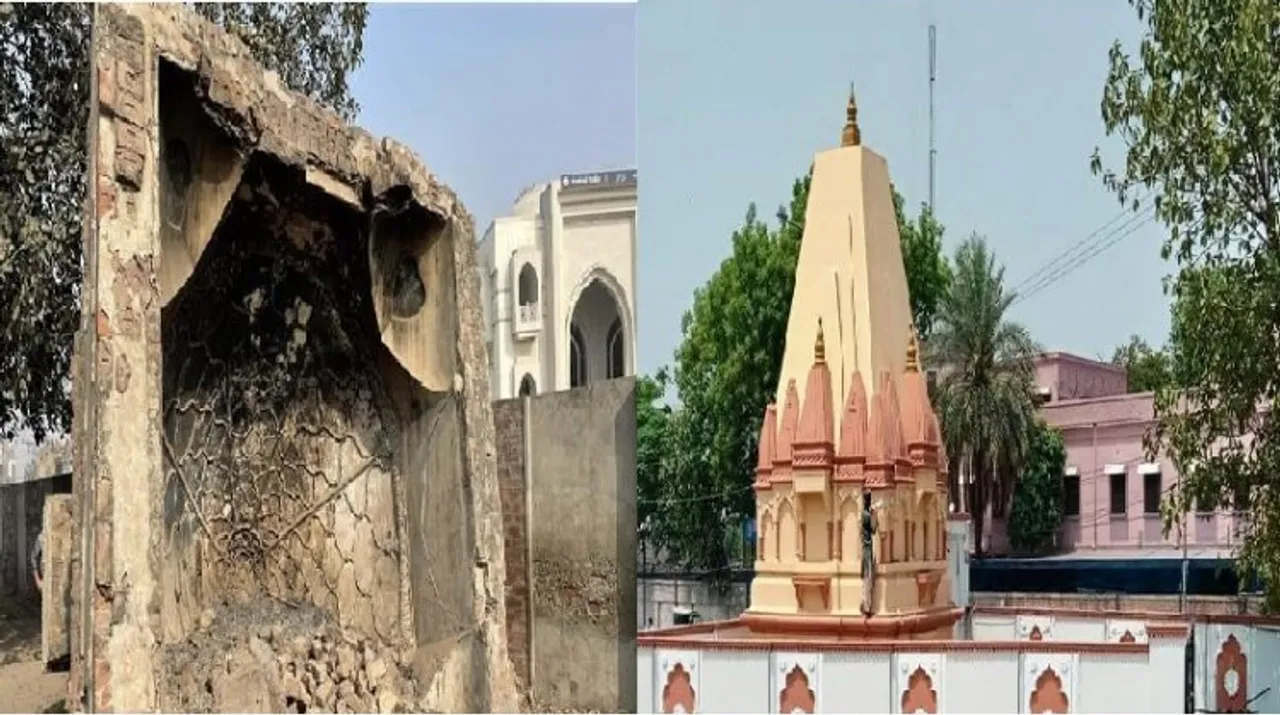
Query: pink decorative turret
[786, 435]
[767, 447]
[852, 454]
[814, 442]
[919, 424]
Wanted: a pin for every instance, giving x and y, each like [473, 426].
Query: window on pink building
[1119, 491]
[1240, 499]
[1071, 495]
[1151, 493]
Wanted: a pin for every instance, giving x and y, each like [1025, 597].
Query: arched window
[616, 346]
[528, 387]
[577, 358]
[528, 288]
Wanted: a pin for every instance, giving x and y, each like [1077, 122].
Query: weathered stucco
[280, 385]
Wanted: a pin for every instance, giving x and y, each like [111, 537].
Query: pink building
[1113, 491]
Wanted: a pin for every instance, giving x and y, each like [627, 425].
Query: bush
[1037, 499]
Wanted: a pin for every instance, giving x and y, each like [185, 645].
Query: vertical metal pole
[1182, 590]
[1097, 508]
[933, 78]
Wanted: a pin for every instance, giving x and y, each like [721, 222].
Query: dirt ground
[25, 687]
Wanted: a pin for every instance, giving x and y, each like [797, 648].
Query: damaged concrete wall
[55, 591]
[21, 517]
[581, 530]
[280, 390]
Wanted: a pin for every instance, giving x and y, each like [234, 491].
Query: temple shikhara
[859, 599]
[853, 531]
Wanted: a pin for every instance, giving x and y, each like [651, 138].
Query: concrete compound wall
[658, 598]
[902, 677]
[21, 517]
[1123, 602]
[1246, 644]
[566, 472]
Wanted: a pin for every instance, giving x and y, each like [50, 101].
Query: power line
[1073, 251]
[1096, 249]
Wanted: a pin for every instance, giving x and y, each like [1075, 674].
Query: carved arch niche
[919, 680]
[1231, 674]
[767, 532]
[1048, 682]
[926, 517]
[1126, 631]
[787, 532]
[849, 514]
[1035, 628]
[679, 686]
[796, 682]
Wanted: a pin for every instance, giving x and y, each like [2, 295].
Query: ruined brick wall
[508, 424]
[264, 408]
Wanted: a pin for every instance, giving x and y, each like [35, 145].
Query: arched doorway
[577, 358]
[597, 338]
[615, 346]
[528, 386]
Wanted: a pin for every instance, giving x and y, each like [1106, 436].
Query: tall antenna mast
[933, 78]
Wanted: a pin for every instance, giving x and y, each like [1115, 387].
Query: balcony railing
[528, 320]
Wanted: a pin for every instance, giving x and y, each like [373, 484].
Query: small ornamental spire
[913, 351]
[851, 136]
[820, 346]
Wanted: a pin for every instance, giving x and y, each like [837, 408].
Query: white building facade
[558, 277]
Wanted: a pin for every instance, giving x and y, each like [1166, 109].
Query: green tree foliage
[1198, 110]
[653, 418]
[984, 399]
[726, 372]
[44, 92]
[1149, 370]
[1036, 514]
[928, 273]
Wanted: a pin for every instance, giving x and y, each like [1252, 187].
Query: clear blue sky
[735, 97]
[495, 98]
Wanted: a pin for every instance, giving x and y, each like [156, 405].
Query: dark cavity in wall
[273, 401]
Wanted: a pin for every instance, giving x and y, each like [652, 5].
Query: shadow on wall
[566, 468]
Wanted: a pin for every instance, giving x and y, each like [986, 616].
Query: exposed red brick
[508, 418]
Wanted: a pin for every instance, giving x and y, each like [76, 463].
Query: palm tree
[984, 396]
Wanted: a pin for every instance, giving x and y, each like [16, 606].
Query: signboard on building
[600, 180]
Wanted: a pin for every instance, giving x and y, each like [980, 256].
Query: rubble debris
[265, 656]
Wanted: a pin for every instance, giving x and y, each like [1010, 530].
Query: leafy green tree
[726, 372]
[985, 398]
[1036, 514]
[1198, 110]
[653, 418]
[928, 273]
[44, 92]
[1148, 369]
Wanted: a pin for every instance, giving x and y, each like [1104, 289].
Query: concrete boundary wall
[21, 517]
[566, 473]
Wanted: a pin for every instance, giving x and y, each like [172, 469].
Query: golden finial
[851, 136]
[913, 351]
[820, 346]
